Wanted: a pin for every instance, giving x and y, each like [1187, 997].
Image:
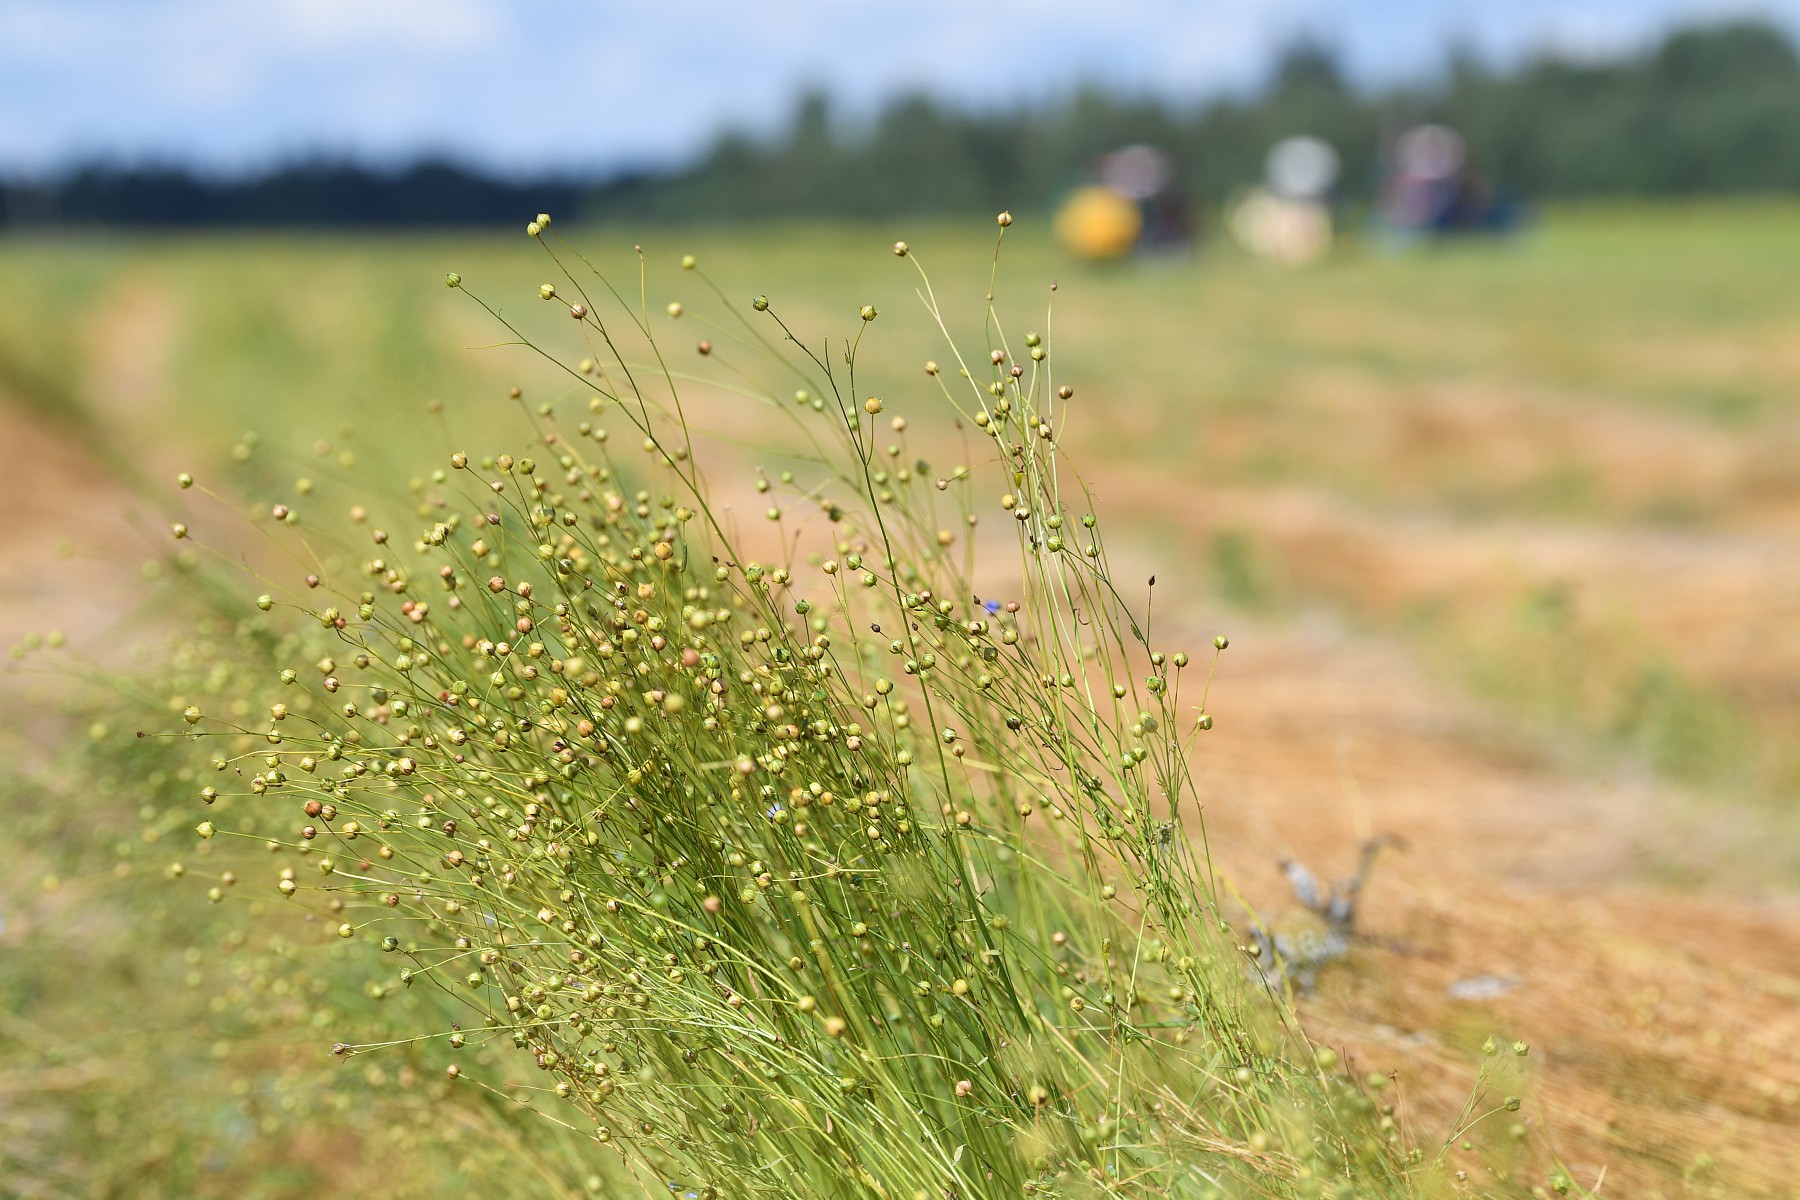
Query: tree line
[1709, 110]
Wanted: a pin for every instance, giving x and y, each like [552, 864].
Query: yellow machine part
[1098, 223]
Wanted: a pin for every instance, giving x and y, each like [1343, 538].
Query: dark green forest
[1710, 110]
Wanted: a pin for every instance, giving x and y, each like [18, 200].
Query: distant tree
[1711, 109]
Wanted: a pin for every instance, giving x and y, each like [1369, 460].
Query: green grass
[1477, 383]
[741, 852]
[1379, 388]
[291, 333]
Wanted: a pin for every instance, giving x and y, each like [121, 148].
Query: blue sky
[234, 84]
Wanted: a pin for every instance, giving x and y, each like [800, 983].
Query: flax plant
[855, 854]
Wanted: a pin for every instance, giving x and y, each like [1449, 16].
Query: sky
[235, 85]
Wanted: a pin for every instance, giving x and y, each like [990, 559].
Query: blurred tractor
[1097, 223]
[1431, 190]
[1288, 219]
[1132, 207]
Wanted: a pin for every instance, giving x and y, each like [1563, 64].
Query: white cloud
[332, 26]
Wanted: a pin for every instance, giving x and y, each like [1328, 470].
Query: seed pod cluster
[743, 854]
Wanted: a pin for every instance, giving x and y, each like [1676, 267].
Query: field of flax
[1502, 537]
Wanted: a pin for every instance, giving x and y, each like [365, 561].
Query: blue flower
[993, 606]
